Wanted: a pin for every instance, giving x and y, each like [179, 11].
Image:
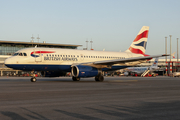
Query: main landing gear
[99, 78]
[76, 78]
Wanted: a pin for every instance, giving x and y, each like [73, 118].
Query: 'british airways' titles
[60, 59]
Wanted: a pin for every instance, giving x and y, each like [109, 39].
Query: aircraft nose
[8, 62]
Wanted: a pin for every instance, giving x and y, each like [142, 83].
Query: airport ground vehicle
[176, 74]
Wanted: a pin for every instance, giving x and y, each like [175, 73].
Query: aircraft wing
[128, 61]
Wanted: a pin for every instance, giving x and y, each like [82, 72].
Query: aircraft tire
[99, 78]
[96, 78]
[33, 79]
[76, 78]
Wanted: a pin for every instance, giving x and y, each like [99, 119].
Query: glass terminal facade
[10, 47]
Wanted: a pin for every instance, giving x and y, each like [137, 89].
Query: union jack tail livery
[138, 46]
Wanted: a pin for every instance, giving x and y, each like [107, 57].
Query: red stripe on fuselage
[142, 35]
[38, 52]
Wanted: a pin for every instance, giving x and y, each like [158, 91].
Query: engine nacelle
[84, 71]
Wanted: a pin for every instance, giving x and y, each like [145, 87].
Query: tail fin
[138, 46]
[155, 64]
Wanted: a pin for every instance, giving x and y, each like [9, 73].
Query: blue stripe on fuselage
[65, 68]
[24, 67]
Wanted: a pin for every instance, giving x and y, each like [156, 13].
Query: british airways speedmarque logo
[36, 53]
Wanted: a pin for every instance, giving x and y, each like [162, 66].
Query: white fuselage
[140, 70]
[137, 69]
[61, 59]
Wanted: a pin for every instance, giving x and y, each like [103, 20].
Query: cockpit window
[20, 54]
[24, 54]
[15, 54]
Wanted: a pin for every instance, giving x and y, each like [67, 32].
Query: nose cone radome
[8, 62]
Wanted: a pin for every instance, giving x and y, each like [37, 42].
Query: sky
[111, 24]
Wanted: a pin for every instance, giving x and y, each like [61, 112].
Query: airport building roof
[40, 44]
[10, 47]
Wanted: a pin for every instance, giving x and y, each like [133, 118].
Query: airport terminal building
[8, 48]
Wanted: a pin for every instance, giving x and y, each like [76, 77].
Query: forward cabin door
[37, 55]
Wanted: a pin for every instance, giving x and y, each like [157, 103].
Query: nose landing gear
[33, 79]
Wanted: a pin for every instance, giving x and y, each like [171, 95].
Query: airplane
[140, 70]
[55, 62]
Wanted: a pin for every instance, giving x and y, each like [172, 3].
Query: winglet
[173, 55]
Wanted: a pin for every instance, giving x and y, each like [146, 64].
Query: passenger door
[37, 55]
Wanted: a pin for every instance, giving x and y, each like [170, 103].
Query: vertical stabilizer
[138, 46]
[155, 64]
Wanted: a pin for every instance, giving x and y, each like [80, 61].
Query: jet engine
[84, 71]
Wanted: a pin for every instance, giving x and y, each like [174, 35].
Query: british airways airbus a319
[53, 62]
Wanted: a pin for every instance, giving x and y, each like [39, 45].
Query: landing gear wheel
[99, 78]
[33, 79]
[96, 78]
[76, 78]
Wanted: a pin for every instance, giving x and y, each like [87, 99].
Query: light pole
[32, 39]
[170, 47]
[166, 52]
[38, 39]
[166, 47]
[87, 44]
[170, 56]
[91, 44]
[177, 51]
